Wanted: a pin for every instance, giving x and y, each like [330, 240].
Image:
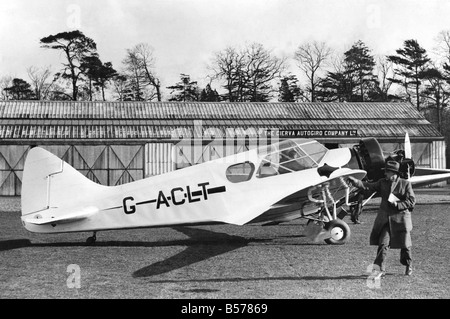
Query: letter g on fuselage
[129, 208]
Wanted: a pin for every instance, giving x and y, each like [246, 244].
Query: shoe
[409, 270]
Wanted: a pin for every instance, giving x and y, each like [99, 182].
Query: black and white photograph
[224, 154]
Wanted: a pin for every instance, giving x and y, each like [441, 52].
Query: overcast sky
[186, 33]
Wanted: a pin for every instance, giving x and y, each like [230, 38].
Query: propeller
[408, 152]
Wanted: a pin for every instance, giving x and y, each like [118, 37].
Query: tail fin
[50, 183]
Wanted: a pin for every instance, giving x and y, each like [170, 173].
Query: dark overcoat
[398, 218]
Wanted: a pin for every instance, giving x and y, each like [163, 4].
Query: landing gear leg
[91, 240]
[336, 230]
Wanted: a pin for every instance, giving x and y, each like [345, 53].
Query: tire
[340, 232]
[90, 241]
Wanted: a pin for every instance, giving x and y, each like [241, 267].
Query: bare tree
[139, 64]
[5, 82]
[147, 62]
[436, 91]
[311, 57]
[437, 76]
[335, 86]
[248, 73]
[39, 79]
[133, 74]
[59, 91]
[261, 68]
[442, 48]
[120, 87]
[386, 74]
[227, 65]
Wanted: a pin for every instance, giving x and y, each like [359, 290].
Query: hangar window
[241, 172]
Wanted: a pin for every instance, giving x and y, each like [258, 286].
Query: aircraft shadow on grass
[14, 244]
[207, 244]
[204, 244]
[201, 245]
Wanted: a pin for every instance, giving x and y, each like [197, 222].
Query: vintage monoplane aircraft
[280, 182]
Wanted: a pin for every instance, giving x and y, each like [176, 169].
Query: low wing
[299, 204]
[425, 176]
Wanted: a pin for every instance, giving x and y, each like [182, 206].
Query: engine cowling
[371, 158]
[368, 155]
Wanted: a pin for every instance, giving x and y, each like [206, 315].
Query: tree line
[249, 74]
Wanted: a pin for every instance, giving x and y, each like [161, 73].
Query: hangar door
[104, 164]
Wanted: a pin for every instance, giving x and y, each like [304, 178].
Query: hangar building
[118, 142]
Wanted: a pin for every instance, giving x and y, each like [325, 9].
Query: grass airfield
[222, 261]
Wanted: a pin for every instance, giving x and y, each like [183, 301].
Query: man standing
[393, 225]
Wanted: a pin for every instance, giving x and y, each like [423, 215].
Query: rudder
[49, 182]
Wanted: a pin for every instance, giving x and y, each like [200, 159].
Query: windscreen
[290, 156]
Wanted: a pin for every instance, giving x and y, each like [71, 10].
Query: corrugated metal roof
[144, 120]
[203, 110]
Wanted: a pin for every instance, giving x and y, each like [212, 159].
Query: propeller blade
[408, 152]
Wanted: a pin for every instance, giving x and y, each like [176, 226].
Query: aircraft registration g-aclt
[277, 183]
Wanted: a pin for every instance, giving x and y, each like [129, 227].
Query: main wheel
[339, 231]
[91, 240]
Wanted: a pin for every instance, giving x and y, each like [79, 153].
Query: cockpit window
[290, 156]
[241, 172]
[315, 150]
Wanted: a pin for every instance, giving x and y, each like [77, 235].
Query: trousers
[383, 247]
